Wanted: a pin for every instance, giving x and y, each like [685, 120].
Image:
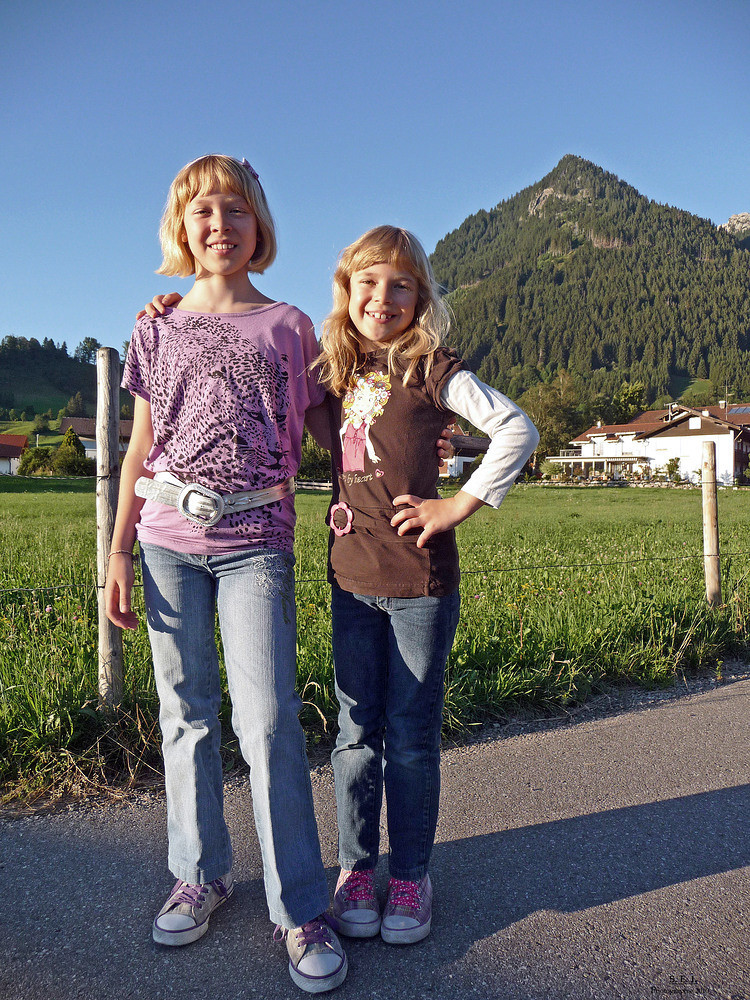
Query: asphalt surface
[603, 858]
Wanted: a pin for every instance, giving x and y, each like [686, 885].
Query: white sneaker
[184, 916]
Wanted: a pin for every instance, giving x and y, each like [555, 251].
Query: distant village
[656, 445]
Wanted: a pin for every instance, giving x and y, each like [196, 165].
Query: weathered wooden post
[107, 485]
[711, 564]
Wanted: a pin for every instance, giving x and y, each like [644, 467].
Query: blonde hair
[197, 178]
[341, 353]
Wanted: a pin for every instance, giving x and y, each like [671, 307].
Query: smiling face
[221, 231]
[382, 303]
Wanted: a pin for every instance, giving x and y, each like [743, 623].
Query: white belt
[203, 506]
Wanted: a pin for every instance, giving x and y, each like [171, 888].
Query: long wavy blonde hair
[341, 354]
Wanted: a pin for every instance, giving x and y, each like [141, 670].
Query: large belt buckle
[203, 491]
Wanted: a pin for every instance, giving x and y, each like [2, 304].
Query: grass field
[563, 590]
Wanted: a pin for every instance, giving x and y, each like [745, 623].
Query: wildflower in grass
[48, 609]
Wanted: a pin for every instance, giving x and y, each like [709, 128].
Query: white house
[645, 445]
[12, 446]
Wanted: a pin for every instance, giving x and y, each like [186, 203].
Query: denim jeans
[390, 655]
[254, 592]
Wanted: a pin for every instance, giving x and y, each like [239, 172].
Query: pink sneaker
[407, 916]
[356, 911]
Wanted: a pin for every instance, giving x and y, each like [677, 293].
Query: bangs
[390, 246]
[212, 172]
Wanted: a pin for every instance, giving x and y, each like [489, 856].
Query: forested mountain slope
[38, 376]
[581, 273]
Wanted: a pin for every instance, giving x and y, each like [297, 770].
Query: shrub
[70, 458]
[35, 462]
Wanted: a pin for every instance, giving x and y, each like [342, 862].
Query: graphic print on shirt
[362, 405]
[226, 407]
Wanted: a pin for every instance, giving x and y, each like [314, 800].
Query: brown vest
[384, 446]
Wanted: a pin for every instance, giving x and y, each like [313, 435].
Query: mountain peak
[738, 224]
[580, 272]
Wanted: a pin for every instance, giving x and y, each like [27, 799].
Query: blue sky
[408, 112]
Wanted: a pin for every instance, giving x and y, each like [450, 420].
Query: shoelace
[313, 932]
[195, 895]
[401, 893]
[185, 892]
[359, 886]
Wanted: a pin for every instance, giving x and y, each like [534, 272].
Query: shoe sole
[175, 939]
[321, 984]
[406, 935]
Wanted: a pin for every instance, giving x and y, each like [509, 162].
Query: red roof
[649, 417]
[610, 430]
[654, 420]
[12, 445]
[731, 415]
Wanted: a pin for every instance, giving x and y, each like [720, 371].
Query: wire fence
[526, 567]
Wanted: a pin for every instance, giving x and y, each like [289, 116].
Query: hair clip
[253, 173]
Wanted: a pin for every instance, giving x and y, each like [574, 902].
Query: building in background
[85, 429]
[12, 446]
[662, 441]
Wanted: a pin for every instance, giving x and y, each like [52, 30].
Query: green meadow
[564, 591]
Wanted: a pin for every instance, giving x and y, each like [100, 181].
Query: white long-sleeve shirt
[513, 437]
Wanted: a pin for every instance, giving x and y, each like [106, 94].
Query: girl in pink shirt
[221, 388]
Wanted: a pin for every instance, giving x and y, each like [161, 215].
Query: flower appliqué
[341, 519]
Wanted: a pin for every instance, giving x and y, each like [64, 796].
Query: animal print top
[228, 394]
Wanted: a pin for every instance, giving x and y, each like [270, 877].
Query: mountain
[580, 273]
[739, 227]
[42, 376]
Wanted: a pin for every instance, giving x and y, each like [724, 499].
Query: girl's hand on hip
[432, 516]
[159, 305]
[118, 589]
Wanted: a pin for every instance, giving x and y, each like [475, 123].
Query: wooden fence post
[107, 486]
[711, 564]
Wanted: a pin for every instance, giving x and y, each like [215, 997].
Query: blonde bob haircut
[197, 178]
[341, 352]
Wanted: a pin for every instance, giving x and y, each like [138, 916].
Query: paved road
[606, 859]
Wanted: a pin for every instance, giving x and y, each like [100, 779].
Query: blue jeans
[254, 592]
[390, 655]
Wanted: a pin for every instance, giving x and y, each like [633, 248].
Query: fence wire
[526, 567]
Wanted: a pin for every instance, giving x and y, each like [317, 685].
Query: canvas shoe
[184, 916]
[317, 962]
[407, 916]
[356, 911]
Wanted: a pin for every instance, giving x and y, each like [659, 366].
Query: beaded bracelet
[120, 552]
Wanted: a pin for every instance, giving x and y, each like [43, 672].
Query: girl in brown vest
[394, 563]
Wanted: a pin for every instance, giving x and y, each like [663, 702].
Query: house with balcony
[645, 446]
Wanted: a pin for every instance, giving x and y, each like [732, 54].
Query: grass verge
[563, 591]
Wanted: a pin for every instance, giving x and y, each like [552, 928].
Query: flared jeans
[254, 593]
